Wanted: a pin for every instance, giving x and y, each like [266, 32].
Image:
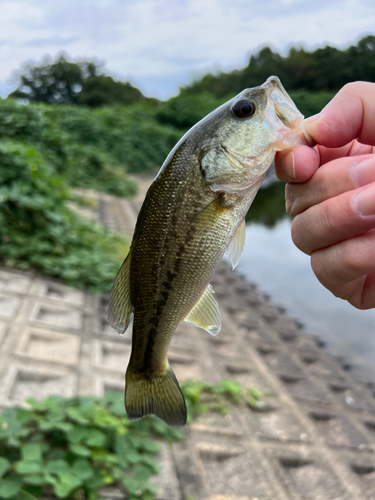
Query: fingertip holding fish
[193, 213]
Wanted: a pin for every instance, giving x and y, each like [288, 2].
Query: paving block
[166, 480]
[21, 382]
[364, 469]
[369, 424]
[3, 328]
[354, 397]
[215, 424]
[233, 469]
[14, 282]
[279, 360]
[308, 477]
[58, 292]
[49, 346]
[111, 356]
[189, 337]
[190, 479]
[318, 364]
[244, 372]
[103, 384]
[9, 305]
[338, 431]
[186, 365]
[278, 424]
[304, 389]
[55, 316]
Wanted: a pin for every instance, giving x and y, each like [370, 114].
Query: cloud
[150, 41]
[50, 42]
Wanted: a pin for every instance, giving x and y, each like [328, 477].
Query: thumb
[350, 115]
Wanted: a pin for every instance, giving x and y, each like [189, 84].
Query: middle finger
[330, 180]
[335, 219]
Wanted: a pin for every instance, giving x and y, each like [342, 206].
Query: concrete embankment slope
[313, 438]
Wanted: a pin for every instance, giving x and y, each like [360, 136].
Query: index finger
[350, 115]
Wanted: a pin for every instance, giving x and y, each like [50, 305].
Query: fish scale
[193, 212]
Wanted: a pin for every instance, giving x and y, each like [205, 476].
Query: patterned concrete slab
[313, 438]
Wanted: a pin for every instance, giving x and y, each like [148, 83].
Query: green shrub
[310, 103]
[38, 231]
[71, 448]
[186, 110]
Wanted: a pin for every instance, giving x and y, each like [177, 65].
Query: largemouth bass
[193, 213]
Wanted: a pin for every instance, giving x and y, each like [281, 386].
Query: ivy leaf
[150, 446]
[82, 469]
[77, 434]
[68, 483]
[133, 456]
[34, 479]
[57, 467]
[132, 485]
[142, 472]
[31, 452]
[77, 416]
[4, 466]
[95, 481]
[80, 450]
[9, 486]
[28, 467]
[23, 416]
[96, 438]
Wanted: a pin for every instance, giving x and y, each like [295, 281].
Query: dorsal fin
[237, 245]
[120, 307]
[205, 313]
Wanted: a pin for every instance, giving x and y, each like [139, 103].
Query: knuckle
[297, 234]
[330, 217]
[318, 265]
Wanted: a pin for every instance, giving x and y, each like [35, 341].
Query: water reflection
[269, 205]
[280, 269]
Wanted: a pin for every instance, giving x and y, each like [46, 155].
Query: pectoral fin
[205, 313]
[120, 307]
[237, 245]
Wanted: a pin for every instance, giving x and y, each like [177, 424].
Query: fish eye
[244, 109]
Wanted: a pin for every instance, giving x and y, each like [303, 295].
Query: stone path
[314, 438]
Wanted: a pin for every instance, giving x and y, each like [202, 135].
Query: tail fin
[157, 394]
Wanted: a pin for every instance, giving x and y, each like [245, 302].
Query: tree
[99, 90]
[53, 82]
[66, 82]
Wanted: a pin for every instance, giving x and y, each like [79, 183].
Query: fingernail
[289, 165]
[313, 118]
[364, 201]
[364, 172]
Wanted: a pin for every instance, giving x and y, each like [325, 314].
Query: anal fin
[237, 245]
[120, 307]
[205, 313]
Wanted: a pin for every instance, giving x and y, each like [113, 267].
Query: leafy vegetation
[37, 230]
[71, 448]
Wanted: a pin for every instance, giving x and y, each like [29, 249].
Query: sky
[160, 45]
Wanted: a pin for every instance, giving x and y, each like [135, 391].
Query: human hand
[331, 194]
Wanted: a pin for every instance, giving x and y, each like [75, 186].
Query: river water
[272, 261]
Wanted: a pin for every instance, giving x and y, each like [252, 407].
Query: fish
[194, 212]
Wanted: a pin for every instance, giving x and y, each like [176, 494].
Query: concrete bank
[314, 437]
